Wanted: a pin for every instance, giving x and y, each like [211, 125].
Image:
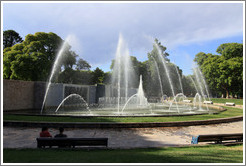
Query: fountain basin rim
[120, 124]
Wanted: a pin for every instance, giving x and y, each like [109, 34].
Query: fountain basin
[158, 111]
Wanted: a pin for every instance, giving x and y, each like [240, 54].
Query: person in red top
[45, 132]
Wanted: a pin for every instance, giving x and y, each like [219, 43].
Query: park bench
[187, 101]
[229, 104]
[218, 138]
[71, 142]
[208, 102]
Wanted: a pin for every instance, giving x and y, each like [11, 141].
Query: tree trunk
[227, 93]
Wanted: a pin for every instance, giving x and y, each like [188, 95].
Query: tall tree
[33, 58]
[157, 72]
[10, 38]
[98, 76]
[83, 65]
[224, 72]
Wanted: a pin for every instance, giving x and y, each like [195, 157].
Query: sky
[184, 28]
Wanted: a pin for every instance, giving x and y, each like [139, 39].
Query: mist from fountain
[175, 99]
[199, 82]
[167, 72]
[122, 71]
[194, 83]
[199, 101]
[204, 82]
[123, 75]
[180, 81]
[55, 68]
[159, 77]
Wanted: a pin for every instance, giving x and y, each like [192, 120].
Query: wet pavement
[17, 137]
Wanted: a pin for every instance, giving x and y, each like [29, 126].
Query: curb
[119, 125]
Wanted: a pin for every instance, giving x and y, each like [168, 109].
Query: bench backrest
[220, 137]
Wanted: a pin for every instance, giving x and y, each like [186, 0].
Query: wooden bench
[217, 138]
[229, 104]
[71, 142]
[208, 102]
[187, 101]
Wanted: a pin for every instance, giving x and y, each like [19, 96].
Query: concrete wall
[55, 95]
[92, 94]
[18, 95]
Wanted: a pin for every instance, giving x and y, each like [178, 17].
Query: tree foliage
[33, 59]
[224, 72]
[10, 38]
[98, 76]
[83, 65]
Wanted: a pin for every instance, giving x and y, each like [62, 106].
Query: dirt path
[14, 137]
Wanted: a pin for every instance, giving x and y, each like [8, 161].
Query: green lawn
[231, 112]
[199, 154]
[223, 100]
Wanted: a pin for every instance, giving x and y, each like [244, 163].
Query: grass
[222, 100]
[198, 154]
[231, 112]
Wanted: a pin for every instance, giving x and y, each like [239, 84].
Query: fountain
[164, 63]
[159, 77]
[122, 98]
[140, 99]
[71, 96]
[197, 102]
[55, 68]
[180, 82]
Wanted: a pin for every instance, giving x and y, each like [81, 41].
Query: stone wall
[18, 95]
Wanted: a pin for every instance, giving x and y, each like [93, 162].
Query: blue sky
[184, 28]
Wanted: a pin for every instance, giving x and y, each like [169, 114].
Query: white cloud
[97, 26]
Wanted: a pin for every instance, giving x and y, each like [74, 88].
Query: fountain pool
[122, 100]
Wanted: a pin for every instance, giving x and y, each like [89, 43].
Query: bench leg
[218, 142]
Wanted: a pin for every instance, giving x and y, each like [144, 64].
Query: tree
[83, 65]
[98, 76]
[157, 72]
[230, 50]
[162, 49]
[107, 78]
[224, 72]
[33, 59]
[200, 58]
[69, 59]
[133, 69]
[10, 38]
[71, 76]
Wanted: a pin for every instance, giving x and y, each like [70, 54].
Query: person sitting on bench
[61, 129]
[45, 132]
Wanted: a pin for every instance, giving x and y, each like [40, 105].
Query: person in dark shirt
[61, 129]
[45, 132]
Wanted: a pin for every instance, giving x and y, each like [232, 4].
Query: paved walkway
[16, 137]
